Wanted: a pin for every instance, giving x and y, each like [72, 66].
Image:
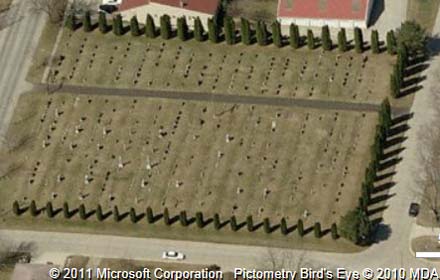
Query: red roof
[203, 6]
[323, 9]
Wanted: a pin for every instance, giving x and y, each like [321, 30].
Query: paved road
[17, 44]
[223, 98]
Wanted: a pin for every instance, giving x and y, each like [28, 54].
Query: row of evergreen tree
[168, 219]
[356, 225]
[398, 75]
[248, 33]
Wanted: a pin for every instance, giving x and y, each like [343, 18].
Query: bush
[134, 27]
[150, 27]
[118, 27]
[246, 32]
[250, 223]
[230, 31]
[49, 210]
[261, 33]
[33, 209]
[300, 227]
[150, 215]
[116, 215]
[199, 32]
[358, 40]
[342, 40]
[277, 37]
[295, 38]
[183, 218]
[317, 230]
[356, 227]
[375, 41]
[99, 213]
[216, 221]
[391, 42]
[199, 220]
[233, 222]
[87, 22]
[82, 212]
[165, 27]
[182, 29]
[326, 39]
[310, 40]
[334, 231]
[283, 226]
[413, 37]
[102, 23]
[213, 31]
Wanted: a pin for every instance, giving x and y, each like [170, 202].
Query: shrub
[295, 38]
[358, 40]
[326, 39]
[99, 213]
[182, 29]
[116, 215]
[342, 40]
[82, 212]
[150, 215]
[277, 37]
[317, 230]
[356, 227]
[183, 218]
[118, 27]
[213, 31]
[199, 220]
[233, 222]
[246, 32]
[199, 32]
[250, 223]
[334, 231]
[150, 27]
[16, 208]
[300, 227]
[87, 22]
[166, 217]
[216, 221]
[102, 23]
[134, 27]
[33, 209]
[283, 226]
[391, 42]
[266, 225]
[414, 37]
[375, 41]
[165, 27]
[230, 31]
[261, 33]
[49, 210]
[310, 40]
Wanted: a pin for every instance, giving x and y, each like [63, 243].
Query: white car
[173, 255]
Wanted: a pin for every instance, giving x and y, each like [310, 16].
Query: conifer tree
[87, 22]
[261, 33]
[358, 40]
[71, 23]
[199, 220]
[230, 31]
[82, 212]
[133, 216]
[233, 222]
[33, 209]
[183, 218]
[102, 23]
[182, 29]
[250, 223]
[216, 221]
[310, 40]
[295, 38]
[49, 210]
[300, 227]
[375, 41]
[283, 226]
[165, 27]
[66, 211]
[334, 231]
[277, 37]
[118, 27]
[199, 32]
[326, 39]
[99, 213]
[166, 217]
[213, 31]
[391, 42]
[116, 215]
[150, 27]
[317, 230]
[245, 32]
[342, 40]
[266, 225]
[16, 208]
[150, 215]
[134, 27]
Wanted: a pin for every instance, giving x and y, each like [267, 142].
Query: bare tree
[55, 9]
[12, 254]
[277, 259]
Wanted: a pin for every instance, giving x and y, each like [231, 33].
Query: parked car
[173, 255]
[414, 209]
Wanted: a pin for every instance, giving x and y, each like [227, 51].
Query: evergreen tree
[300, 227]
[82, 212]
[283, 226]
[334, 231]
[66, 210]
[342, 40]
[261, 33]
[250, 223]
[385, 113]
[233, 222]
[71, 23]
[356, 226]
[102, 23]
[49, 210]
[394, 88]
[33, 209]
[182, 29]
[277, 37]
[326, 39]
[317, 230]
[245, 32]
[134, 27]
[166, 217]
[295, 37]
[402, 59]
[87, 22]
[165, 27]
[118, 27]
[230, 31]
[150, 215]
[216, 221]
[266, 225]
[116, 215]
[133, 216]
[150, 27]
[199, 220]
[199, 32]
[375, 41]
[310, 40]
[99, 213]
[213, 31]
[16, 208]
[358, 40]
[391, 42]
[183, 218]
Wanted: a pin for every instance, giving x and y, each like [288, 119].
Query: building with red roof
[334, 13]
[191, 9]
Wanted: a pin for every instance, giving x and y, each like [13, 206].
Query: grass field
[207, 68]
[424, 12]
[254, 9]
[228, 159]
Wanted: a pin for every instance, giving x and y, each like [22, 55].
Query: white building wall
[157, 10]
[309, 22]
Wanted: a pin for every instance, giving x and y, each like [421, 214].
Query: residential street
[17, 43]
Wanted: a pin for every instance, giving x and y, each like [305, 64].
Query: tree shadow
[384, 176]
[383, 187]
[409, 91]
[416, 69]
[380, 198]
[389, 163]
[397, 129]
[401, 118]
[376, 12]
[376, 210]
[413, 81]
[394, 141]
[392, 153]
[382, 232]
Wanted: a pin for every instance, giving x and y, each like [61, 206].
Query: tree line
[168, 219]
[247, 33]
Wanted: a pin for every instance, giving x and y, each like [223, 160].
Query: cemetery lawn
[94, 59]
[216, 158]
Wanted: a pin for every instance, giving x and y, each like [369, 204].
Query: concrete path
[17, 44]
